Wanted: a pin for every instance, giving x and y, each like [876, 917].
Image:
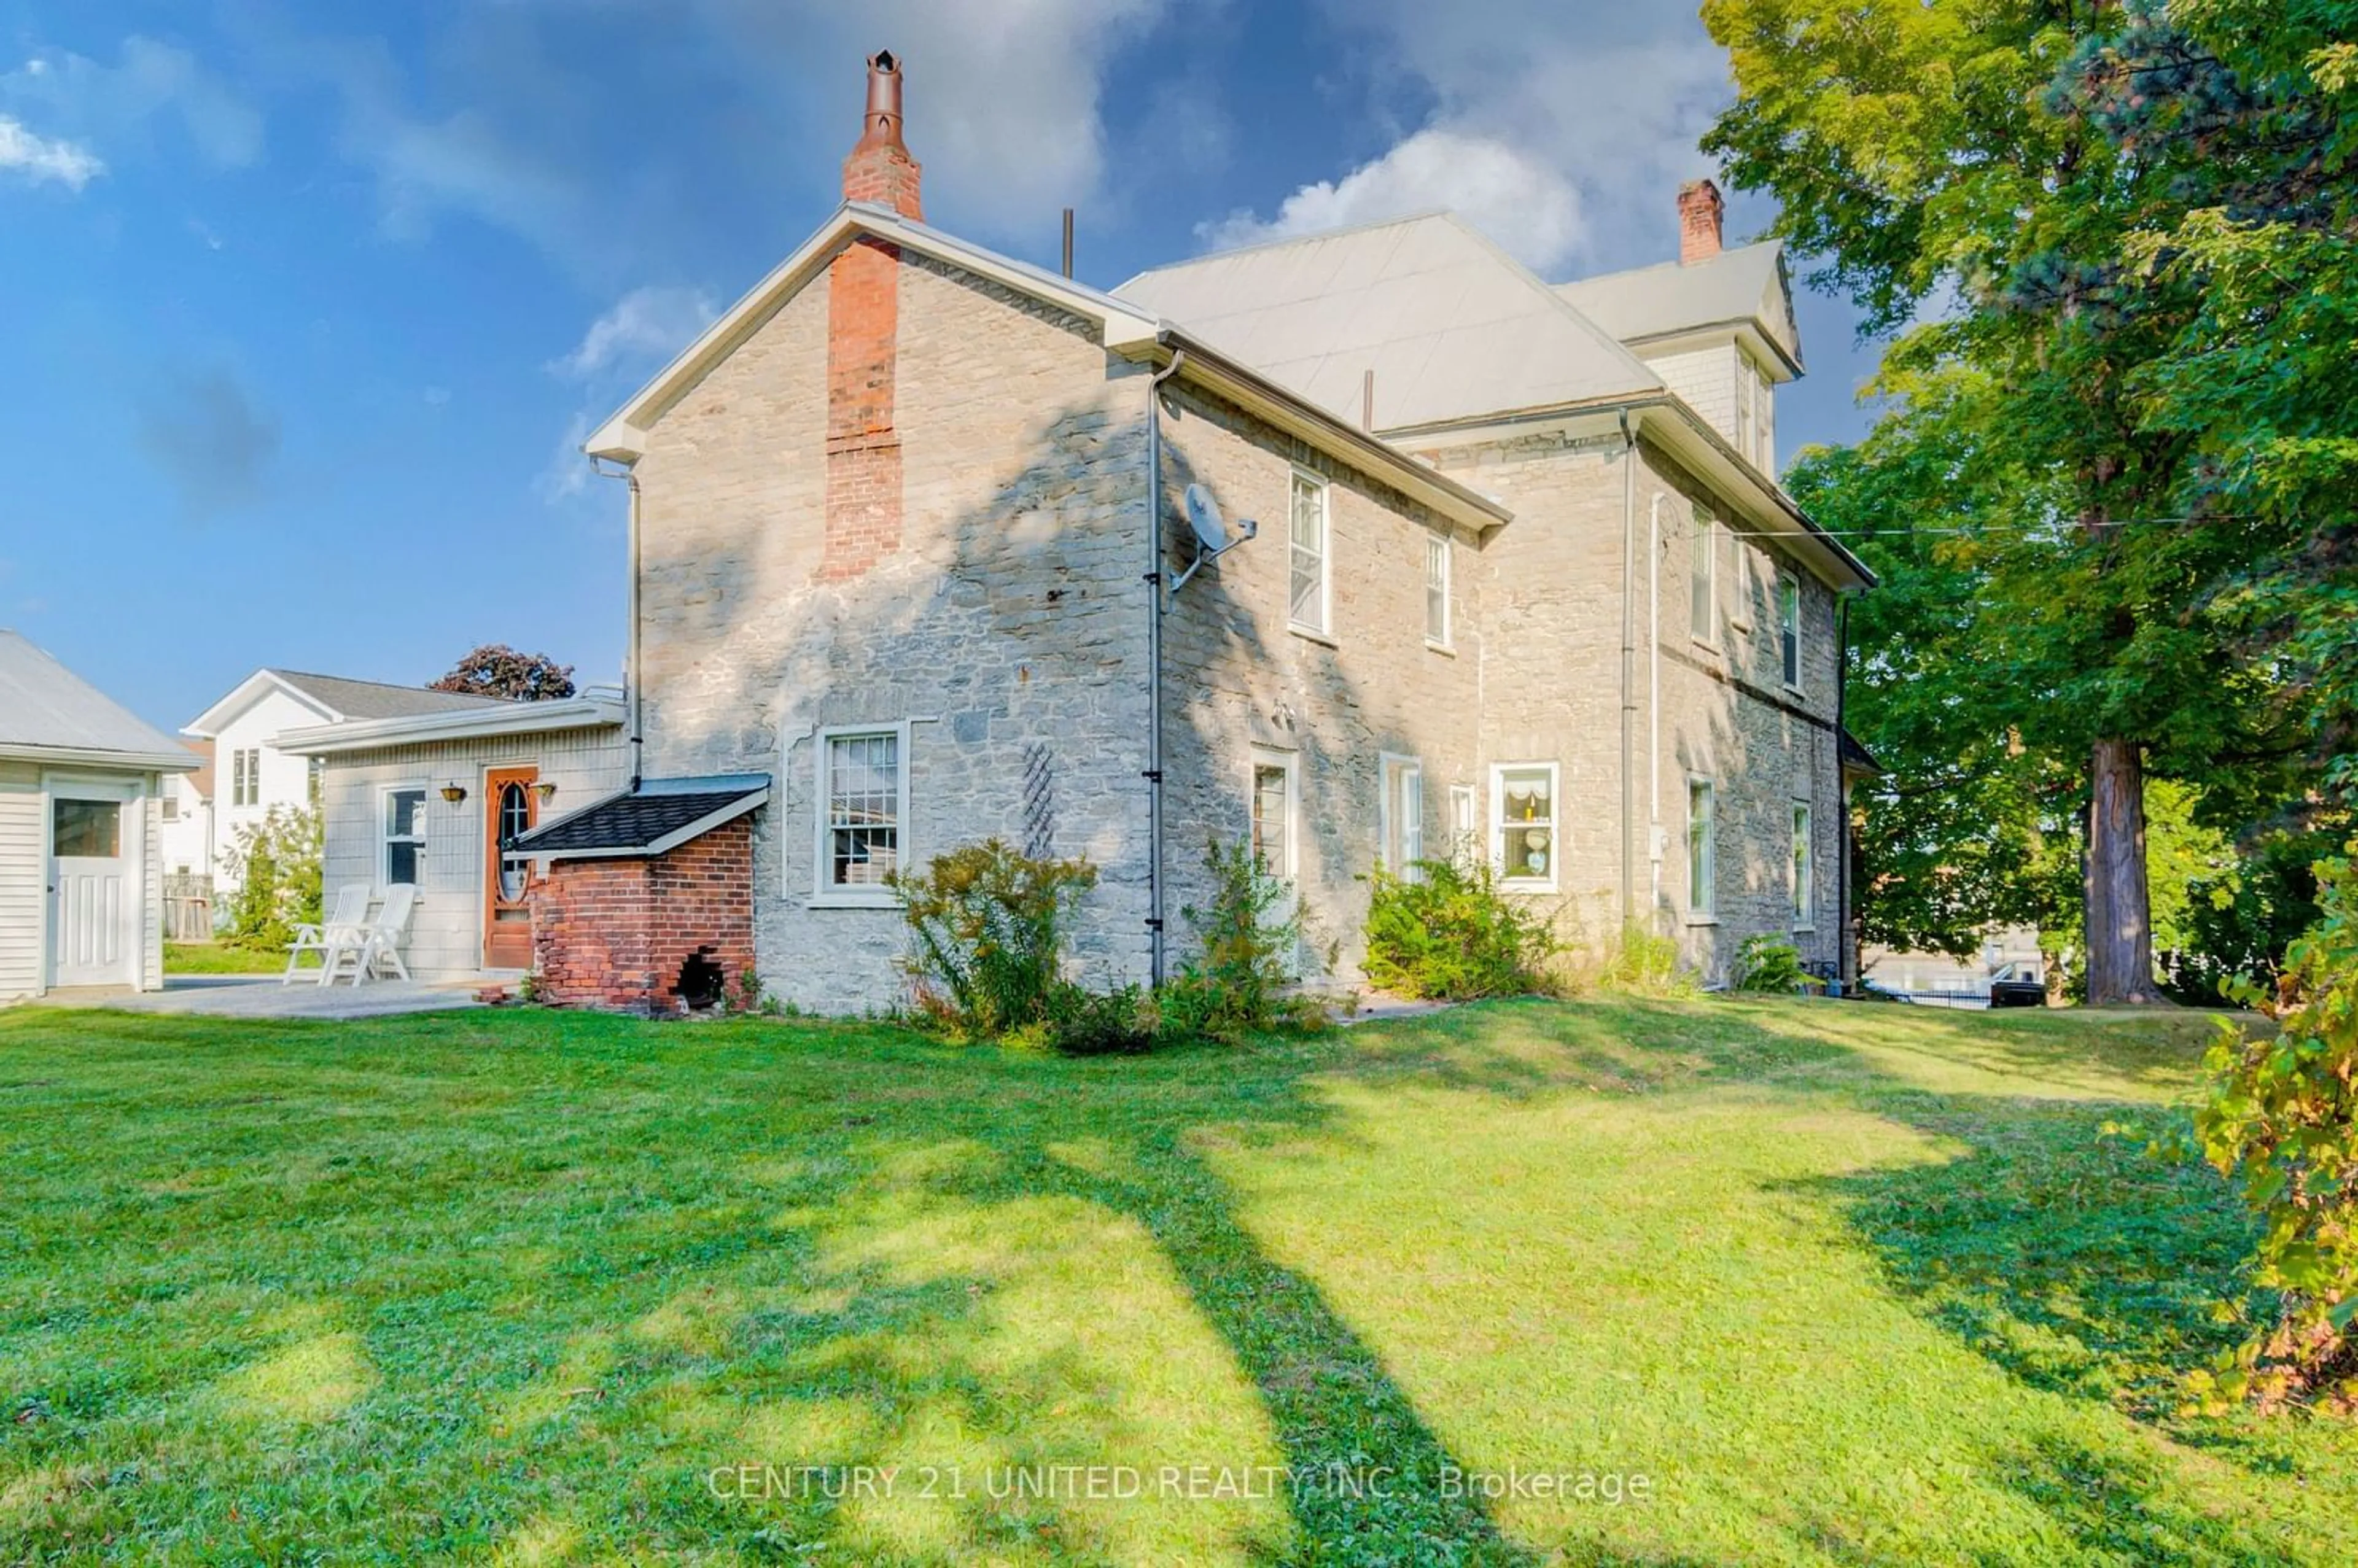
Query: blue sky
[306, 315]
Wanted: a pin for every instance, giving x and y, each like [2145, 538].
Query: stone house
[911, 565]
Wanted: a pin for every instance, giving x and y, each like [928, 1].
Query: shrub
[1083, 1022]
[1449, 934]
[1773, 965]
[1251, 943]
[276, 863]
[2283, 1114]
[1644, 963]
[986, 925]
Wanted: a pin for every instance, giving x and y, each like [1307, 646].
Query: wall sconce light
[453, 792]
[545, 790]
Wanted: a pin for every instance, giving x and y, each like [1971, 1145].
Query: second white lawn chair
[348, 911]
[374, 941]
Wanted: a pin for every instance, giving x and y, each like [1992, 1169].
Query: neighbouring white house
[82, 780]
[251, 774]
[188, 817]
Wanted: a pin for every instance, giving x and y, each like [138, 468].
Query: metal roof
[1451, 325]
[1747, 284]
[655, 815]
[46, 707]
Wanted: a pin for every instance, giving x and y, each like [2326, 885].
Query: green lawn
[221, 958]
[1839, 1284]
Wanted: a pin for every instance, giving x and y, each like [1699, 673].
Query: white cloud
[151, 84]
[1595, 108]
[646, 324]
[566, 476]
[1509, 193]
[38, 158]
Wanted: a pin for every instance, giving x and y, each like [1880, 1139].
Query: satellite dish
[1204, 515]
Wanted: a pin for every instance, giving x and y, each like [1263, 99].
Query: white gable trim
[457, 724]
[208, 724]
[622, 438]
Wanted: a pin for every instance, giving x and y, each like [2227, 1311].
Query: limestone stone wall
[1239, 683]
[1003, 635]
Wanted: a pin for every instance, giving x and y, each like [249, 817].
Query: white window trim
[1707, 912]
[425, 837]
[1464, 819]
[1261, 757]
[1386, 764]
[1800, 601]
[1706, 550]
[1498, 772]
[1805, 888]
[877, 896]
[1738, 589]
[1325, 630]
[1447, 641]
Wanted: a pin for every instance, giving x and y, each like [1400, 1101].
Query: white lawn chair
[348, 911]
[374, 941]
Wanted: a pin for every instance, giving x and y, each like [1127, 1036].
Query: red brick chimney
[863, 345]
[880, 169]
[1700, 210]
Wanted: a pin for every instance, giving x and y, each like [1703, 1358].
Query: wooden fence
[188, 908]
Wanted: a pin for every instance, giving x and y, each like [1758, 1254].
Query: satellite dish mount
[1212, 537]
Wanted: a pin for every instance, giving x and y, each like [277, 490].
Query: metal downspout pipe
[1628, 664]
[1157, 601]
[633, 685]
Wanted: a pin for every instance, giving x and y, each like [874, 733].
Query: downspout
[1628, 663]
[1654, 701]
[1155, 607]
[633, 685]
[1841, 798]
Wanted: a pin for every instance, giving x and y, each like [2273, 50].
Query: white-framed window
[1748, 392]
[1464, 819]
[403, 856]
[1804, 891]
[172, 805]
[1310, 586]
[1399, 817]
[1275, 806]
[1702, 577]
[1524, 840]
[1703, 850]
[245, 776]
[1789, 627]
[1739, 579]
[862, 797]
[1436, 590]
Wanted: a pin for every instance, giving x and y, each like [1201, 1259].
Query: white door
[94, 928]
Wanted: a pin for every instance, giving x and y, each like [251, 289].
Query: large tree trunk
[2120, 910]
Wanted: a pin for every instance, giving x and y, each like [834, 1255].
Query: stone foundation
[613, 933]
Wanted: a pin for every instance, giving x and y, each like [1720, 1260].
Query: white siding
[446, 938]
[1705, 380]
[286, 777]
[23, 879]
[150, 812]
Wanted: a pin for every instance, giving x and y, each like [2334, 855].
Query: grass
[1840, 1285]
[222, 959]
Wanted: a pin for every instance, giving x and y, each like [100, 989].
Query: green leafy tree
[276, 863]
[2016, 170]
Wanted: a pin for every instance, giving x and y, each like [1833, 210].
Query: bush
[276, 863]
[1252, 942]
[986, 925]
[1644, 963]
[2283, 1113]
[1083, 1022]
[1772, 965]
[1449, 934]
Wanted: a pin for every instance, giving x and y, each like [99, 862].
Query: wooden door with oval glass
[511, 806]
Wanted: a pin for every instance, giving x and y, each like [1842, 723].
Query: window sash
[1702, 847]
[1804, 892]
[1272, 809]
[1306, 601]
[862, 797]
[1437, 590]
[1702, 574]
[1529, 848]
[403, 857]
[1401, 824]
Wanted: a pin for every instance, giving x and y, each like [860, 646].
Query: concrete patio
[258, 996]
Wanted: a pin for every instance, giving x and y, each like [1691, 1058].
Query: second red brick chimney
[1700, 212]
[880, 169]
